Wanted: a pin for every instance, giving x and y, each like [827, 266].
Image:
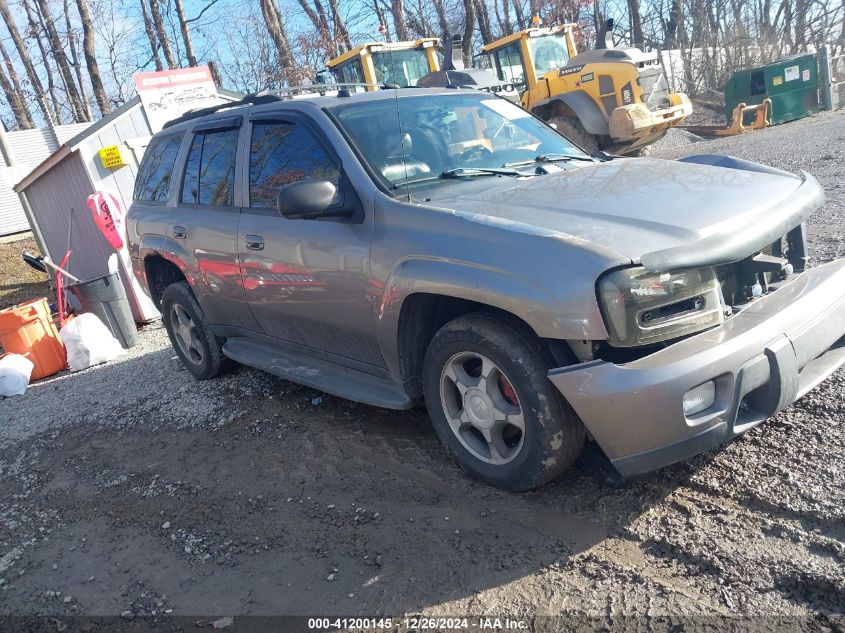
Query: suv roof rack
[277, 94]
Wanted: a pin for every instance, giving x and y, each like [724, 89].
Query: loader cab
[396, 63]
[525, 56]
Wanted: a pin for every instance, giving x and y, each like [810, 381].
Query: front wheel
[573, 130]
[493, 406]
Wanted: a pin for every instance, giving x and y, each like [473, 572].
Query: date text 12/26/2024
[417, 623]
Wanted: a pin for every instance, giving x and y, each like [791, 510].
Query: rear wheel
[190, 333]
[493, 406]
[572, 129]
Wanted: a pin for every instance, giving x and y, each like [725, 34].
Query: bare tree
[26, 60]
[186, 34]
[636, 23]
[161, 32]
[397, 10]
[34, 31]
[74, 60]
[91, 57]
[14, 95]
[76, 105]
[151, 36]
[276, 29]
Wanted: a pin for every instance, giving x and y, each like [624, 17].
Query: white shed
[58, 189]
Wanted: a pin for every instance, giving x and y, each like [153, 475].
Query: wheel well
[423, 314]
[553, 108]
[160, 274]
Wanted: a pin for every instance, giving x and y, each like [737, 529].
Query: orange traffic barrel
[28, 330]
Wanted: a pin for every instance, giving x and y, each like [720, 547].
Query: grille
[735, 290]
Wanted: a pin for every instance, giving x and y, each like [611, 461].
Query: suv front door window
[305, 280]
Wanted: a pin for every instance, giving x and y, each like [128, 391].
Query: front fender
[497, 288]
[585, 108]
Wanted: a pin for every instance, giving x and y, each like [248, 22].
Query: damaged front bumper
[760, 360]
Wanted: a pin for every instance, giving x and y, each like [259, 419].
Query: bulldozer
[400, 64]
[611, 99]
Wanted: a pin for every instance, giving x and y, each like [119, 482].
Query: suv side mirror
[309, 199]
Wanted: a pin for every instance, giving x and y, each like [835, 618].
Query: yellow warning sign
[777, 80]
[110, 157]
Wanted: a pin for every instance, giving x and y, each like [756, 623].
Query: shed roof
[68, 147]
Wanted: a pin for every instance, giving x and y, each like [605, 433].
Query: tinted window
[282, 153]
[210, 169]
[154, 175]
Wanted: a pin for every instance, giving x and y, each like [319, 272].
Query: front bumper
[761, 359]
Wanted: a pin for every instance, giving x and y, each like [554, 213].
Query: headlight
[641, 307]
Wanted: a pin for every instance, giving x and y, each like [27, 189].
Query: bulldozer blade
[761, 119]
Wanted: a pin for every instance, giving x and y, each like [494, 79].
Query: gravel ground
[133, 489]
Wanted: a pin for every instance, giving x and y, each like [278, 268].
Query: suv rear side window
[210, 169]
[282, 153]
[156, 168]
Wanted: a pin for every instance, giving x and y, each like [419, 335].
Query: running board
[337, 380]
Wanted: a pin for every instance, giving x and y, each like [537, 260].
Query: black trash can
[105, 297]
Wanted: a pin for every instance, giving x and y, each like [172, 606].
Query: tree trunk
[151, 37]
[277, 32]
[186, 34]
[636, 23]
[35, 29]
[74, 59]
[504, 19]
[341, 32]
[158, 24]
[483, 21]
[23, 53]
[469, 27]
[382, 18]
[520, 14]
[91, 57]
[58, 52]
[14, 95]
[397, 9]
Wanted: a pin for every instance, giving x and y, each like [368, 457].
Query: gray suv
[446, 246]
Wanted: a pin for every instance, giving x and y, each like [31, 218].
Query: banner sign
[168, 94]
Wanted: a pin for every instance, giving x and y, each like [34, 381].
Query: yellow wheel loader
[613, 99]
[399, 64]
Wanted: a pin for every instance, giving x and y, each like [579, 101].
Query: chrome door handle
[179, 232]
[254, 242]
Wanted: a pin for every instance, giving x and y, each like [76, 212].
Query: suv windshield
[417, 138]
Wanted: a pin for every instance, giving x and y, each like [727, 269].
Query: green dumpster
[792, 84]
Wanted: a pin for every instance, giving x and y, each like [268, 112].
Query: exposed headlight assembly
[641, 307]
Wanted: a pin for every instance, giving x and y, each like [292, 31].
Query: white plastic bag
[88, 342]
[15, 371]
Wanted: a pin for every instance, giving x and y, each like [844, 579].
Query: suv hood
[663, 214]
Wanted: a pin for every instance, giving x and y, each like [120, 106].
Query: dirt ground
[18, 281]
[133, 491]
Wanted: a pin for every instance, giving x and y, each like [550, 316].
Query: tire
[572, 129]
[181, 313]
[551, 436]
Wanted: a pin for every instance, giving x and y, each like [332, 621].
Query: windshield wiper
[462, 172]
[459, 172]
[549, 158]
